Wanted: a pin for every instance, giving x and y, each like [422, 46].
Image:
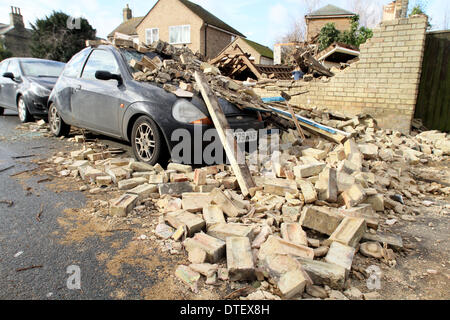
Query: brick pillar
[401, 8]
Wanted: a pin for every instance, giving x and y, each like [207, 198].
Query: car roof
[32, 59]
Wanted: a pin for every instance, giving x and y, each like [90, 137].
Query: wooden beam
[294, 118]
[252, 67]
[220, 121]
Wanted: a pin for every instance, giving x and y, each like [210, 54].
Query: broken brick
[240, 263]
[180, 218]
[214, 248]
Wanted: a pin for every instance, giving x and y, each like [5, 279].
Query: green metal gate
[433, 101]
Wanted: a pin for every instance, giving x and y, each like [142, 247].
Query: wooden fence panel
[433, 101]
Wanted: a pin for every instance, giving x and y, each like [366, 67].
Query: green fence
[433, 102]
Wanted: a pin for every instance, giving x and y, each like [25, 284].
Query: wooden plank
[299, 129]
[233, 152]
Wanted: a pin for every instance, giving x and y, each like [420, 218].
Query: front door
[96, 103]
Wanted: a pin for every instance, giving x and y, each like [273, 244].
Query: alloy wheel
[22, 110]
[145, 142]
[55, 120]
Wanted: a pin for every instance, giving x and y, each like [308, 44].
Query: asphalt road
[25, 242]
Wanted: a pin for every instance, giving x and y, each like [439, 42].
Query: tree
[4, 53]
[356, 36]
[58, 37]
[328, 35]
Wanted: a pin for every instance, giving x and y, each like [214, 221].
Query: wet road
[25, 242]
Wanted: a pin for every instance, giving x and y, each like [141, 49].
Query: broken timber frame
[220, 121]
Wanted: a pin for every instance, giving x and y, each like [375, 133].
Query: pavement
[26, 242]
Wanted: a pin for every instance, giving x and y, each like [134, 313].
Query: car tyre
[2, 110]
[57, 125]
[146, 140]
[24, 114]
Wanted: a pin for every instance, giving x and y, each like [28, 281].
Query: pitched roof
[127, 27]
[330, 10]
[262, 50]
[209, 18]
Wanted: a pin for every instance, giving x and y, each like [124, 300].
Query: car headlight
[39, 90]
[186, 112]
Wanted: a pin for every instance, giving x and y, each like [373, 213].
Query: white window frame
[181, 26]
[151, 35]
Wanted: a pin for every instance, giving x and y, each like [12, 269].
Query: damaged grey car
[97, 91]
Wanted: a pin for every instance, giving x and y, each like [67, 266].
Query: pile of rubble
[176, 75]
[317, 205]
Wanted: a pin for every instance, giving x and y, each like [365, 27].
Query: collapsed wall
[384, 83]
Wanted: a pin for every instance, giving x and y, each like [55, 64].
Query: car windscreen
[130, 54]
[42, 68]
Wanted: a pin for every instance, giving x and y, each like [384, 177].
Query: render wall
[172, 13]
[384, 83]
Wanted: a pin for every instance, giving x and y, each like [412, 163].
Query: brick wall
[384, 83]
[315, 25]
[216, 41]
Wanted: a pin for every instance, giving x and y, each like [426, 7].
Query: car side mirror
[106, 75]
[9, 75]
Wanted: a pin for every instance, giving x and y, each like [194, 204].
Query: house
[15, 37]
[128, 26]
[183, 23]
[316, 20]
[259, 54]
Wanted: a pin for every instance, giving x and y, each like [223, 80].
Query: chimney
[16, 18]
[401, 10]
[127, 14]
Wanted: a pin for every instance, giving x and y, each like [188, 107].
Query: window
[3, 67]
[100, 60]
[180, 34]
[14, 69]
[38, 68]
[75, 65]
[151, 35]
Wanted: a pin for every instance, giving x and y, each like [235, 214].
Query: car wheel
[146, 140]
[1, 111]
[57, 126]
[24, 114]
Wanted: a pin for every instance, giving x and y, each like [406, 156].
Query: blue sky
[260, 20]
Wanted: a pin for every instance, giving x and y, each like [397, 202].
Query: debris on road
[8, 202]
[28, 268]
[303, 212]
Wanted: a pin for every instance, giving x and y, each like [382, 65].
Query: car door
[96, 103]
[10, 86]
[3, 68]
[68, 84]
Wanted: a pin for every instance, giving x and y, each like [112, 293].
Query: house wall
[245, 47]
[266, 61]
[172, 13]
[384, 83]
[216, 41]
[315, 25]
[18, 42]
